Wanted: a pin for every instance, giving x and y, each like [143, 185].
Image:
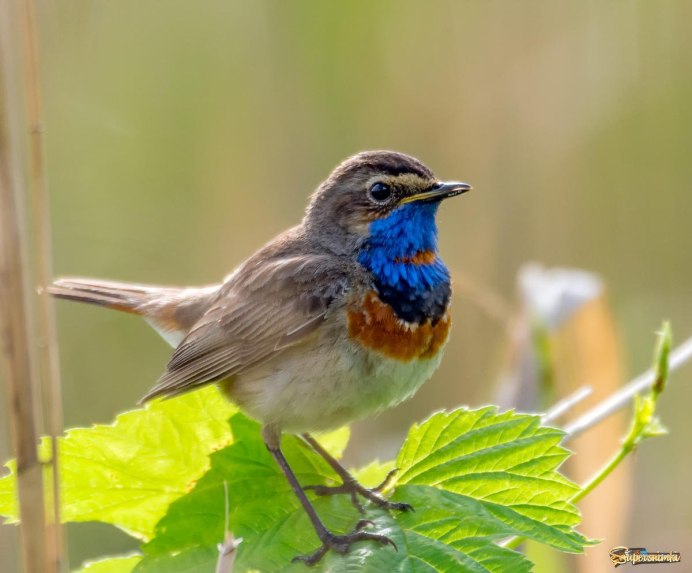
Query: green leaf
[111, 565]
[259, 494]
[473, 477]
[189, 560]
[8, 494]
[373, 474]
[259, 498]
[127, 473]
[501, 467]
[335, 442]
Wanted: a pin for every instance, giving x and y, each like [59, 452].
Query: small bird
[342, 316]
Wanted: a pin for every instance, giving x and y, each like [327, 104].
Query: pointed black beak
[440, 191]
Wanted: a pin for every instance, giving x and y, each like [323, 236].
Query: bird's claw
[355, 489]
[342, 543]
[386, 481]
[363, 523]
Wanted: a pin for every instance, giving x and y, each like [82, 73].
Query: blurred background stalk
[28, 323]
[564, 337]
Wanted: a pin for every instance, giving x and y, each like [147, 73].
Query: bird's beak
[439, 191]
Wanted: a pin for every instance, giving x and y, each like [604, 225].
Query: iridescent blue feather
[417, 292]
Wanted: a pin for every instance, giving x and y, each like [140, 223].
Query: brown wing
[261, 309]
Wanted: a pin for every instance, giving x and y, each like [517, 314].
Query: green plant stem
[644, 422]
[680, 356]
[603, 473]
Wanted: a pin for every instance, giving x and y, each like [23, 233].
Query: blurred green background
[181, 136]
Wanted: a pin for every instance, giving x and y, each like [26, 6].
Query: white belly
[326, 388]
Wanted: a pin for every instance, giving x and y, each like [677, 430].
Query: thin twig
[227, 549]
[618, 400]
[566, 404]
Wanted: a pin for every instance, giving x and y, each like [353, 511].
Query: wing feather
[262, 309]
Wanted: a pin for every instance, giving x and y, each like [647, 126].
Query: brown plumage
[171, 311]
[305, 335]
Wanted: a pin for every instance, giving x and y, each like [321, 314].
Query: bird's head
[379, 198]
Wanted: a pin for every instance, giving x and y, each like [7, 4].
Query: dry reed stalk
[46, 332]
[19, 369]
[28, 330]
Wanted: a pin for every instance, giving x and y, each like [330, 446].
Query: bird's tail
[171, 311]
[116, 295]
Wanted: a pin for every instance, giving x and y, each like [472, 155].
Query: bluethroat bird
[344, 315]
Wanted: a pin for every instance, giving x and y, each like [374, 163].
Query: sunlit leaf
[111, 565]
[474, 478]
[127, 473]
[498, 466]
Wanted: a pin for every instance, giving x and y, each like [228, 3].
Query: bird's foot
[355, 489]
[342, 543]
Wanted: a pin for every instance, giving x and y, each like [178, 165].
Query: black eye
[380, 191]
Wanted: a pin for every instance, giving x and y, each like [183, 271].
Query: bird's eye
[380, 191]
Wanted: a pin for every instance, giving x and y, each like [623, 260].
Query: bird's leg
[339, 543]
[350, 485]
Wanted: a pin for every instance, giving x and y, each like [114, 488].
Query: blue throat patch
[401, 254]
